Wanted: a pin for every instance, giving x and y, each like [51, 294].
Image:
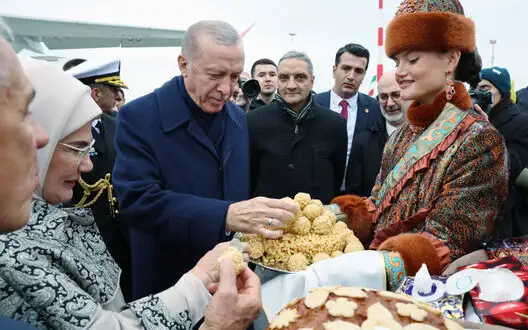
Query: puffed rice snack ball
[302, 199]
[301, 226]
[322, 225]
[297, 262]
[235, 256]
[340, 226]
[354, 246]
[331, 216]
[316, 202]
[312, 211]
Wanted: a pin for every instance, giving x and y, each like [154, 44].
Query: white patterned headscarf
[61, 106]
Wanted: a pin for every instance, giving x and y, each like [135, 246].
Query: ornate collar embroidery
[425, 114]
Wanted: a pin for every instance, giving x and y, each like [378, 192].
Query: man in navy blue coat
[361, 111]
[182, 167]
[20, 137]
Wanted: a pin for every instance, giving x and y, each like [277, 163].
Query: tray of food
[359, 308]
[313, 235]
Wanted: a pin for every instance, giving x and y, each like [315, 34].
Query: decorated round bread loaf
[352, 308]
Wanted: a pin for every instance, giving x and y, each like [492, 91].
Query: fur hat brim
[430, 31]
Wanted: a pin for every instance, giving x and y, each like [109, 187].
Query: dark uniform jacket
[287, 158]
[114, 233]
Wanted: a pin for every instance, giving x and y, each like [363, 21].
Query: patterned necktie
[344, 108]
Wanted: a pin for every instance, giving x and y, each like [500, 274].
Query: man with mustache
[20, 137]
[182, 167]
[296, 145]
[365, 157]
[360, 111]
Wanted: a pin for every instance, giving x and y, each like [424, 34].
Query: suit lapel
[198, 134]
[100, 144]
[326, 100]
[230, 134]
[175, 113]
[362, 116]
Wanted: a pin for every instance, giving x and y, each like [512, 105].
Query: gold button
[366, 110]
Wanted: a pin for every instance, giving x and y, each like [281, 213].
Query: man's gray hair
[221, 32]
[299, 56]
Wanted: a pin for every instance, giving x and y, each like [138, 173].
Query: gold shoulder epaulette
[99, 187]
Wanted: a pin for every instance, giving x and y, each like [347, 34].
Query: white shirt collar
[390, 129]
[94, 124]
[336, 99]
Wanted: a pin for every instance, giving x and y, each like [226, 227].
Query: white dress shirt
[351, 121]
[94, 125]
[390, 129]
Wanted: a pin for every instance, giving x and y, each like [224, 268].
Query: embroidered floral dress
[445, 175]
[56, 273]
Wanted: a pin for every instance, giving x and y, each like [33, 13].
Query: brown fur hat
[430, 25]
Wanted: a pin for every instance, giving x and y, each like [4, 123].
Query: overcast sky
[321, 27]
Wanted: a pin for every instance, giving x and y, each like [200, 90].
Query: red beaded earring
[449, 87]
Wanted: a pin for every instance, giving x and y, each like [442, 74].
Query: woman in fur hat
[443, 176]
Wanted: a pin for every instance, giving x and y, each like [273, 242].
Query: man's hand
[254, 215]
[236, 302]
[207, 267]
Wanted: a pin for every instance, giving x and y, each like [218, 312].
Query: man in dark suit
[296, 145]
[95, 188]
[360, 111]
[182, 166]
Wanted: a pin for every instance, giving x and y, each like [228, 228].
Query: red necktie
[344, 108]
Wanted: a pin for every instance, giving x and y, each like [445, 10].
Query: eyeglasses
[394, 95]
[79, 152]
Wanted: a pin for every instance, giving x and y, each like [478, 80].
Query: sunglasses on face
[79, 152]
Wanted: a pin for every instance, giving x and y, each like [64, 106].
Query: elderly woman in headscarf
[56, 272]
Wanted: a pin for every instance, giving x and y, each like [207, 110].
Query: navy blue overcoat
[172, 185]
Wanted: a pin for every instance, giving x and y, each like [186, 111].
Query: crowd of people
[114, 215]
